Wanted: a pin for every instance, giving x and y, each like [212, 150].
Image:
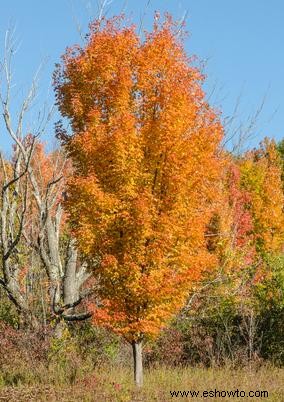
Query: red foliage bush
[16, 345]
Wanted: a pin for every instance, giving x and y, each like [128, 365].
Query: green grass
[115, 384]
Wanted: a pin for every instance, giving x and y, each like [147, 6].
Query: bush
[237, 321]
[270, 296]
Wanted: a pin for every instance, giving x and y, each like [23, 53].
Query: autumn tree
[246, 234]
[248, 220]
[261, 171]
[280, 149]
[144, 146]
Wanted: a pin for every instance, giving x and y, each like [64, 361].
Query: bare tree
[21, 181]
[14, 185]
[65, 272]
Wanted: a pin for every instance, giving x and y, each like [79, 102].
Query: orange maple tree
[261, 176]
[247, 227]
[144, 147]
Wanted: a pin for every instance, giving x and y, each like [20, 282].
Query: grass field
[115, 384]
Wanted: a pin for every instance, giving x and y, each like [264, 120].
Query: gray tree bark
[138, 362]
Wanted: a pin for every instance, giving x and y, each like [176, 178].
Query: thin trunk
[43, 302]
[138, 364]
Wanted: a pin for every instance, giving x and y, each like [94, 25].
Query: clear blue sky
[242, 42]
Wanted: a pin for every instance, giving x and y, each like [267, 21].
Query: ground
[113, 384]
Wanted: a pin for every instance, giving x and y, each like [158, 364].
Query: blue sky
[241, 42]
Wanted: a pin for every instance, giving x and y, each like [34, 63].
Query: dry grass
[115, 384]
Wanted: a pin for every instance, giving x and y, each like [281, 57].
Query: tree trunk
[71, 286]
[138, 365]
[59, 328]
